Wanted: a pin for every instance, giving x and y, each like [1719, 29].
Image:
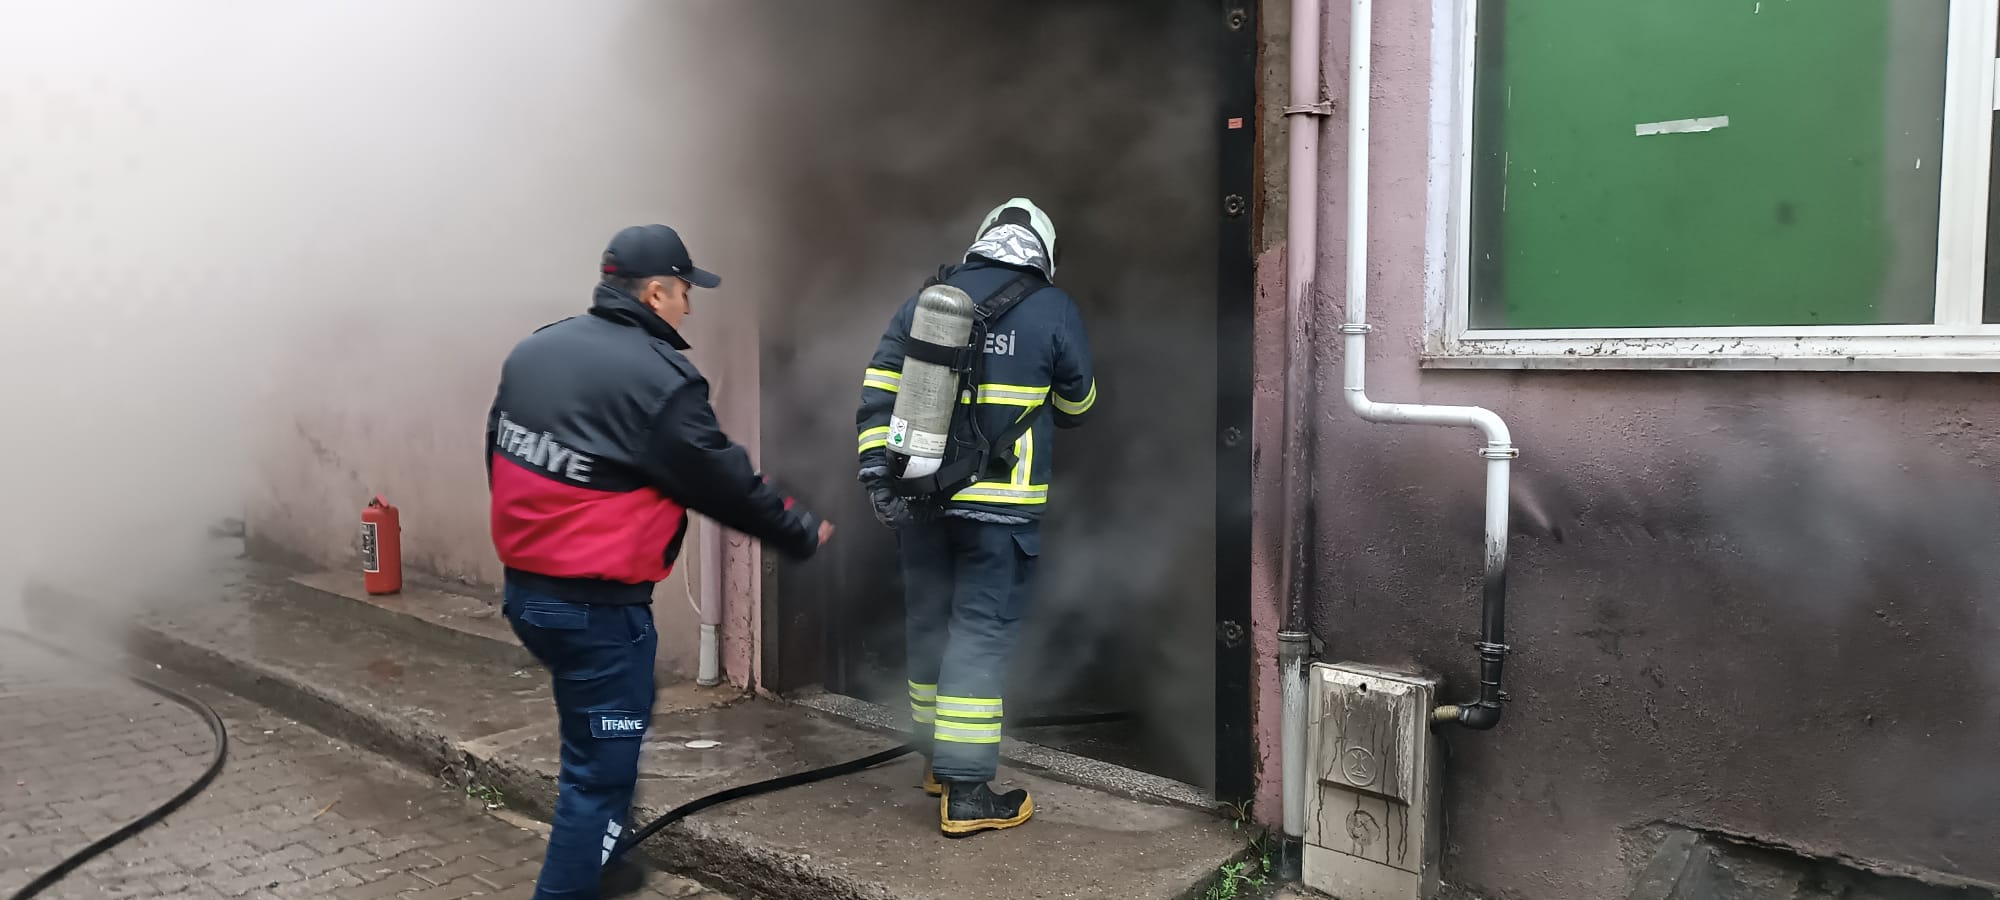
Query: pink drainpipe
[1304, 113]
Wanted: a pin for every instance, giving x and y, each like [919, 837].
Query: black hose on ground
[69, 864]
[62, 869]
[822, 774]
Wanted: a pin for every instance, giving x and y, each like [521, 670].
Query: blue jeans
[601, 658]
[966, 586]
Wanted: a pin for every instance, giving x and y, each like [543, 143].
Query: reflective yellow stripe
[945, 721]
[967, 734]
[874, 437]
[923, 703]
[975, 702]
[882, 379]
[1019, 388]
[1010, 395]
[1024, 459]
[1023, 475]
[1002, 492]
[1079, 407]
[969, 707]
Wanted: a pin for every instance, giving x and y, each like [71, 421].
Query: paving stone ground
[293, 814]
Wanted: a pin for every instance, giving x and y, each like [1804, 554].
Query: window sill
[1856, 353]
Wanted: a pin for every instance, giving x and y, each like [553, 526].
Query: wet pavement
[873, 835]
[294, 812]
[879, 827]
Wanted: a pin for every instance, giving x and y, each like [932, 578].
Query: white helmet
[1018, 233]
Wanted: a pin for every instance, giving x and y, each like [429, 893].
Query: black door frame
[796, 654]
[1235, 360]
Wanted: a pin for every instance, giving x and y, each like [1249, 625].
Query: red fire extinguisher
[381, 548]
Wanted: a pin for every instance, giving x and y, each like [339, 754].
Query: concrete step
[466, 624]
[444, 704]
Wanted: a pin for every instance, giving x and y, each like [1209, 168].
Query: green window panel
[1816, 204]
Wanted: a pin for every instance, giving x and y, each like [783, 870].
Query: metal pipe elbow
[1476, 716]
[1480, 716]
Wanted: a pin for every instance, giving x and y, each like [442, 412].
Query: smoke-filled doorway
[899, 125]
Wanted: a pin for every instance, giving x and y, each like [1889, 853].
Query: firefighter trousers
[966, 587]
[601, 660]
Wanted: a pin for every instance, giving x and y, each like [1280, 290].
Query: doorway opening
[1115, 118]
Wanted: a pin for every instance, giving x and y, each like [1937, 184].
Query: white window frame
[1958, 342]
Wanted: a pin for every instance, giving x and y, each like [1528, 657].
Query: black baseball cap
[643, 250]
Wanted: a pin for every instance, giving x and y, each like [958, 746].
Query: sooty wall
[1759, 604]
[892, 130]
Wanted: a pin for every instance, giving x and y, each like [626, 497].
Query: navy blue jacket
[1037, 353]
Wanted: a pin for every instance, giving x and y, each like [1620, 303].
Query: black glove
[890, 510]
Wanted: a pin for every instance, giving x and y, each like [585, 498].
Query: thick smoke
[125, 336]
[911, 123]
[265, 258]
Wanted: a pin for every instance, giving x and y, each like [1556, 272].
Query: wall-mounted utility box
[1371, 802]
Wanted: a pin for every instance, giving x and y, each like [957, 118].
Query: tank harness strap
[998, 453]
[954, 358]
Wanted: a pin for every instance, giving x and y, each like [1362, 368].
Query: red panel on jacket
[547, 527]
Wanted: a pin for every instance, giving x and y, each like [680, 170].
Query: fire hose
[824, 773]
[207, 713]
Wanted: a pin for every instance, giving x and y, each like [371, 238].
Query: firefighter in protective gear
[969, 535]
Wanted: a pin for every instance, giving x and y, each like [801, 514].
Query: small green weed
[486, 794]
[1238, 877]
[475, 790]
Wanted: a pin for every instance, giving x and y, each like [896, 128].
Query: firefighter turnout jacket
[1035, 354]
[599, 442]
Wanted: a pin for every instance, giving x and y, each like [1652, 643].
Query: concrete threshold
[445, 704]
[1059, 765]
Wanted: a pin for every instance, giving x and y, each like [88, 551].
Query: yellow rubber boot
[968, 809]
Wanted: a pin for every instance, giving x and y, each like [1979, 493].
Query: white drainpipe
[710, 672]
[1302, 198]
[1499, 452]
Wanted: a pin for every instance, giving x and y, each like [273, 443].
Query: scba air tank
[920, 426]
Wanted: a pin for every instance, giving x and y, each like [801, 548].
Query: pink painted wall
[409, 426]
[398, 251]
[1267, 539]
[1762, 604]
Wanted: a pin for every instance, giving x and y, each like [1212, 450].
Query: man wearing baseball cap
[600, 442]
